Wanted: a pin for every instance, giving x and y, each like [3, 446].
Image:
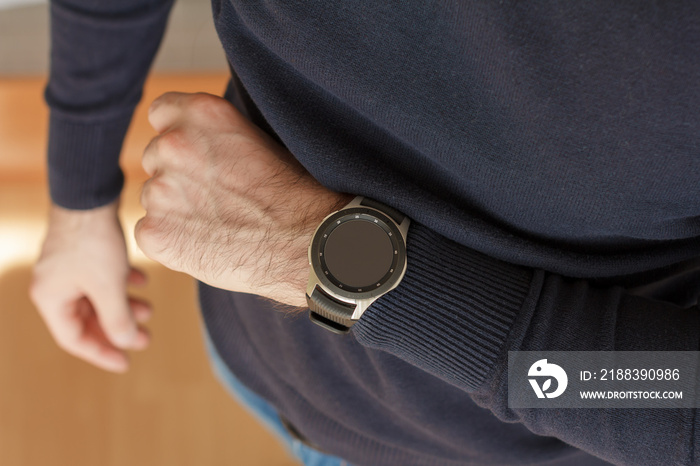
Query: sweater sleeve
[100, 55]
[457, 313]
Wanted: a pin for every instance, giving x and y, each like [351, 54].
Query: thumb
[114, 314]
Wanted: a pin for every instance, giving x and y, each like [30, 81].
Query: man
[526, 143]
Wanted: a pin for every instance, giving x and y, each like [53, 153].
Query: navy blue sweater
[548, 154]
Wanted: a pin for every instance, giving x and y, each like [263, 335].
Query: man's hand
[80, 287]
[225, 203]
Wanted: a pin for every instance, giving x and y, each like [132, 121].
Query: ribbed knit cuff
[83, 161]
[451, 314]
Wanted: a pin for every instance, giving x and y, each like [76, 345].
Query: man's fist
[225, 203]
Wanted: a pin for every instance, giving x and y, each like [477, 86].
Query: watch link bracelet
[356, 255]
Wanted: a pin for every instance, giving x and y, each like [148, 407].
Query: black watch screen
[359, 251]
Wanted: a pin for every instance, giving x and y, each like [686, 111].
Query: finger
[137, 277]
[149, 160]
[67, 322]
[93, 331]
[165, 111]
[109, 359]
[112, 308]
[142, 310]
[153, 192]
[97, 348]
[93, 345]
[143, 316]
[63, 321]
[145, 195]
[143, 339]
[149, 238]
[158, 190]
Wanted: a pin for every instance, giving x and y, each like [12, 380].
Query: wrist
[72, 217]
[78, 229]
[288, 283]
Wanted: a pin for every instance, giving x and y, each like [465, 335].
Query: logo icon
[542, 368]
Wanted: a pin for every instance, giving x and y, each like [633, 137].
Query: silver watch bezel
[356, 212]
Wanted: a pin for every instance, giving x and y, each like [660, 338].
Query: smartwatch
[356, 255]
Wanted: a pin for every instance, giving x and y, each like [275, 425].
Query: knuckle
[151, 191]
[181, 150]
[154, 110]
[170, 143]
[149, 237]
[164, 98]
[144, 198]
[207, 107]
[148, 160]
[142, 233]
[173, 149]
[202, 101]
[154, 106]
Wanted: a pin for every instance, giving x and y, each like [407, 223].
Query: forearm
[458, 313]
[100, 55]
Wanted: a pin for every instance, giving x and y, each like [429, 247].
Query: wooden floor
[55, 410]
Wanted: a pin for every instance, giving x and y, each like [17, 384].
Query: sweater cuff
[83, 160]
[451, 314]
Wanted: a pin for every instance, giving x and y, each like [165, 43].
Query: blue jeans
[267, 414]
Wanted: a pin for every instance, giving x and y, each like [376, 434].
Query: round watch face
[358, 251]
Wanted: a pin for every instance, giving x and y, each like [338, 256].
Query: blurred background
[54, 409]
